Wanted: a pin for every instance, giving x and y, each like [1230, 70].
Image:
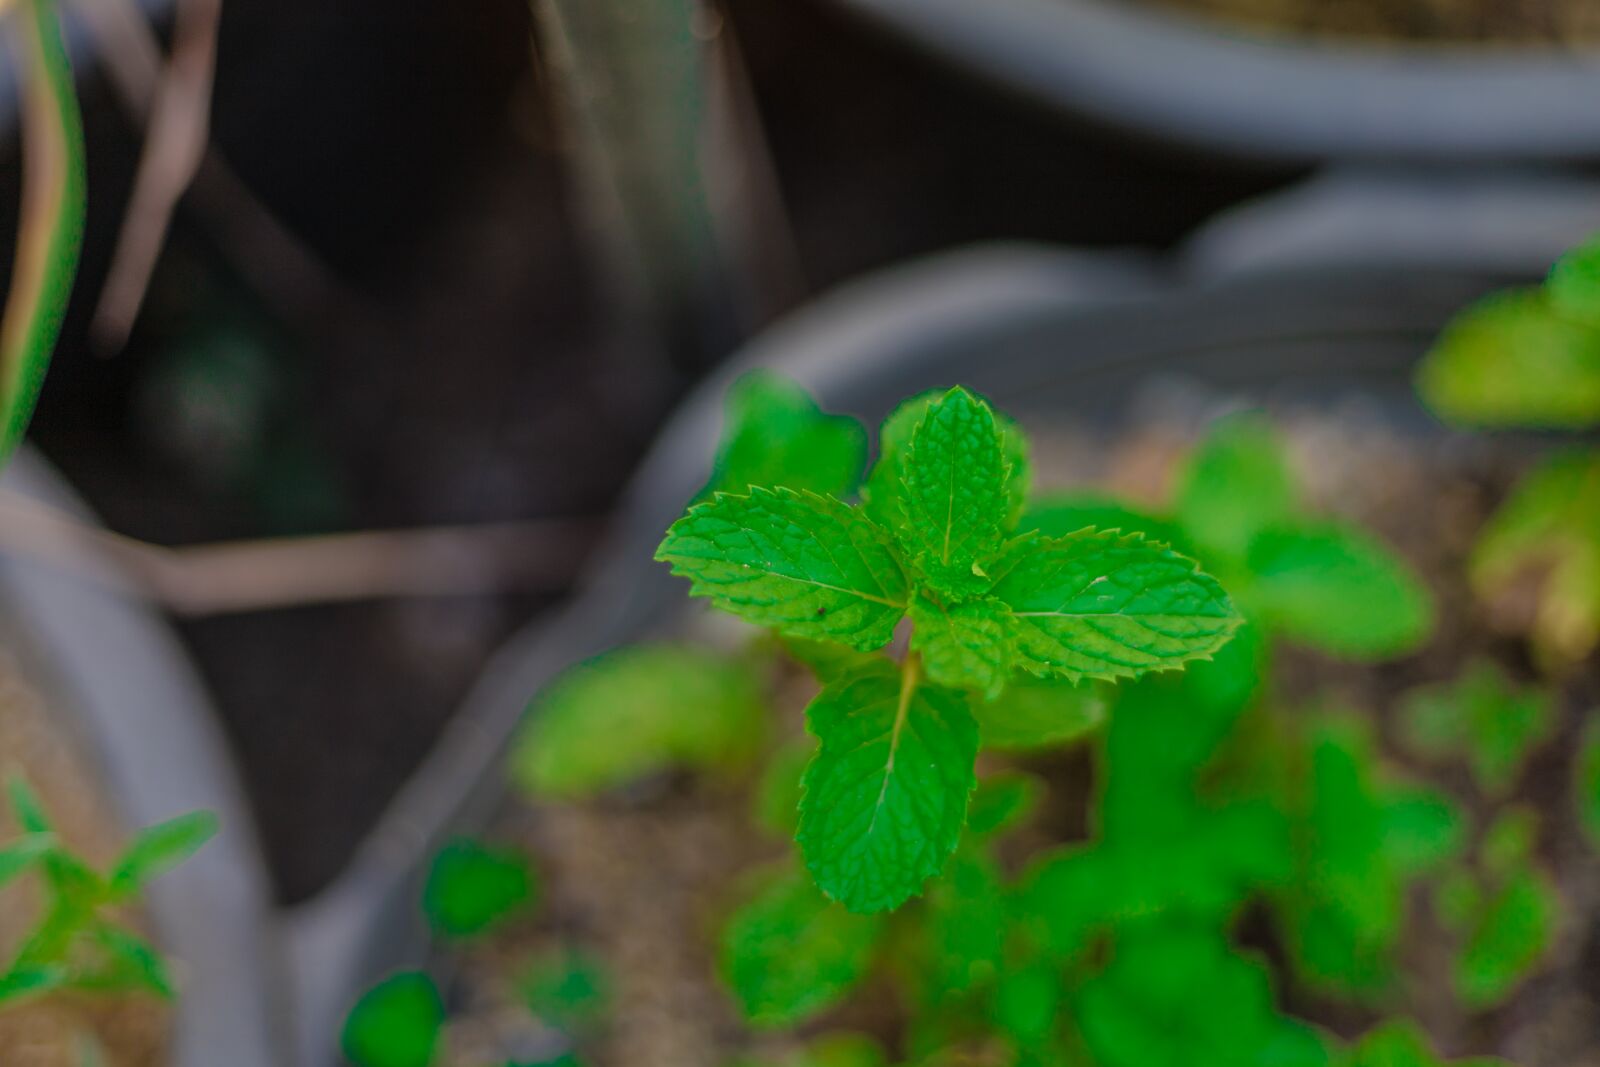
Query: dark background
[459, 370]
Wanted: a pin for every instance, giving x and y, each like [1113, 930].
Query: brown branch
[174, 145]
[539, 555]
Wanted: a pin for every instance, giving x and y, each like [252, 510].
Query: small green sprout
[1481, 717]
[1360, 842]
[397, 1023]
[1506, 913]
[472, 888]
[79, 943]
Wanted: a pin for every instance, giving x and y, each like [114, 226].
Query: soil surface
[130, 1030]
[641, 878]
[1501, 21]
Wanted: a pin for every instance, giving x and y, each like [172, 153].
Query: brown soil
[52, 1032]
[642, 878]
[1501, 21]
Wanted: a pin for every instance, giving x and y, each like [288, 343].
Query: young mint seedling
[1482, 718]
[1506, 912]
[886, 794]
[1360, 842]
[78, 944]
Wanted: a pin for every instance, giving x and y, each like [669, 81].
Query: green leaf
[886, 486]
[885, 796]
[956, 499]
[1002, 801]
[1346, 909]
[1421, 829]
[1508, 941]
[397, 1023]
[1545, 539]
[1175, 996]
[127, 963]
[1108, 605]
[1401, 1043]
[1068, 513]
[23, 983]
[1337, 589]
[157, 849]
[635, 712]
[567, 988]
[25, 805]
[1574, 283]
[1027, 1003]
[963, 930]
[1586, 780]
[1512, 360]
[964, 645]
[1033, 714]
[472, 887]
[1482, 718]
[50, 235]
[17, 856]
[1237, 483]
[777, 799]
[789, 953]
[803, 564]
[777, 436]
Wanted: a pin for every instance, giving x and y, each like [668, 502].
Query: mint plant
[886, 794]
[1482, 718]
[80, 943]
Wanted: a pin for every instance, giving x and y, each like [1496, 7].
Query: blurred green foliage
[80, 940]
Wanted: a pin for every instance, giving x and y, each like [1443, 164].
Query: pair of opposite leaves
[886, 793]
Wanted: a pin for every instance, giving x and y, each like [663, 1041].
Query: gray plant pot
[1203, 84]
[1038, 330]
[135, 706]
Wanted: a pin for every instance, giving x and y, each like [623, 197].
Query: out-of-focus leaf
[1337, 589]
[1038, 713]
[1512, 360]
[472, 887]
[634, 712]
[777, 436]
[1482, 718]
[1236, 484]
[790, 953]
[397, 1023]
[1545, 541]
[50, 234]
